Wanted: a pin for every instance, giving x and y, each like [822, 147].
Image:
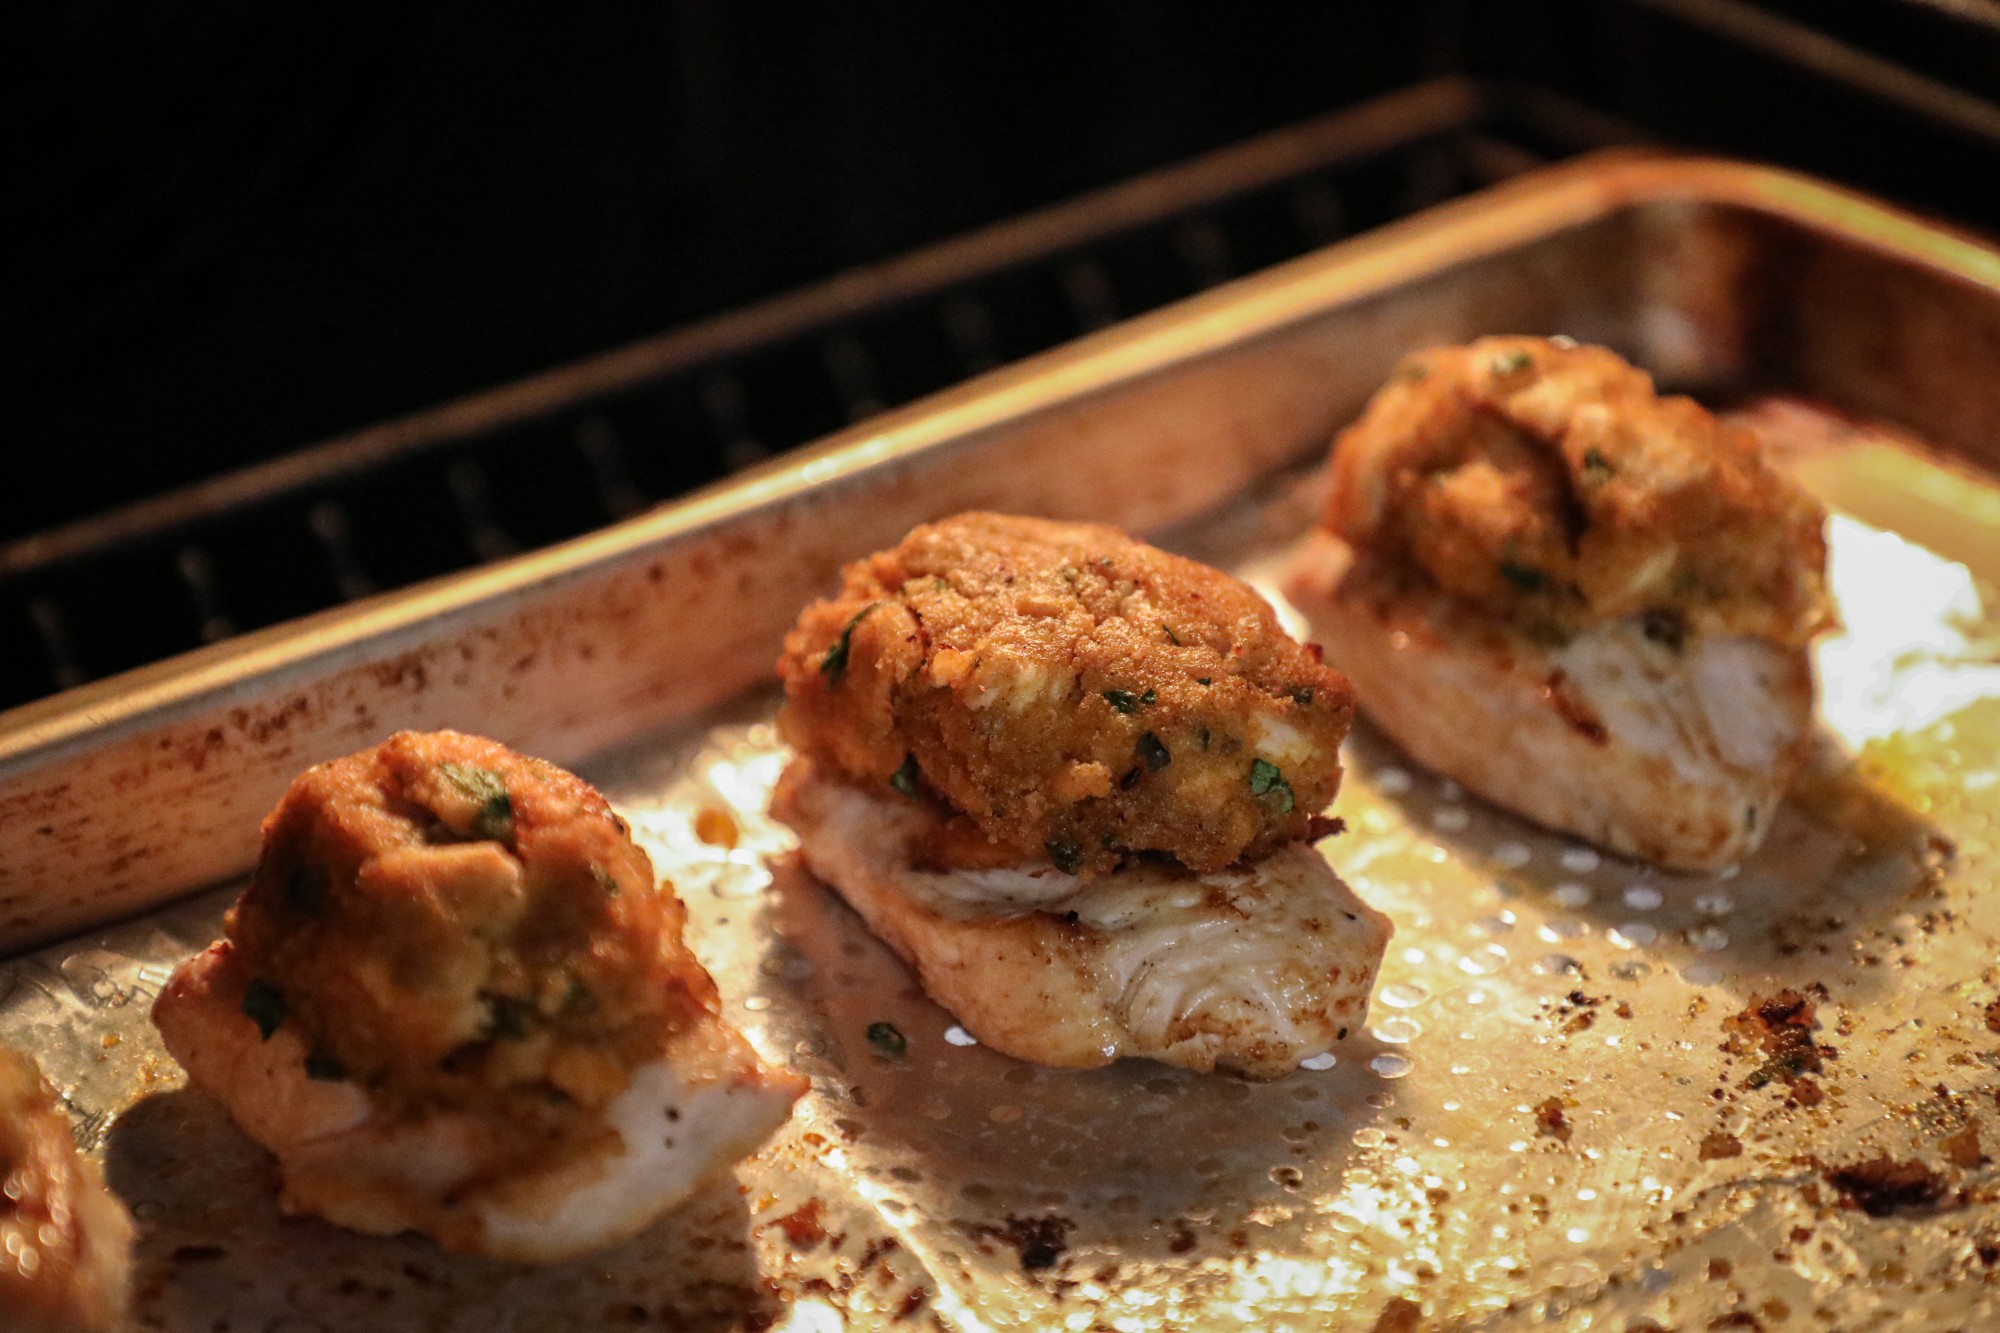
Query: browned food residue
[1040, 1241]
[1882, 1186]
[1718, 1144]
[1400, 1315]
[1780, 1027]
[805, 1226]
[1962, 1149]
[1550, 1122]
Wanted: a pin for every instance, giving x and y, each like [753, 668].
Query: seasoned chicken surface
[453, 999]
[65, 1242]
[1070, 693]
[1070, 778]
[1249, 969]
[1585, 602]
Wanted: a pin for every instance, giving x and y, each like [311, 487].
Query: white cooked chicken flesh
[65, 1242]
[1587, 603]
[1073, 781]
[454, 1000]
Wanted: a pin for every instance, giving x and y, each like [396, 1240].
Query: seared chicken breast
[1071, 778]
[454, 1000]
[65, 1242]
[1587, 603]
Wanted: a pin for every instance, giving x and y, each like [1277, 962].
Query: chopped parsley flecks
[904, 779]
[888, 1039]
[1268, 785]
[1595, 463]
[1414, 371]
[1172, 637]
[325, 1068]
[1525, 577]
[305, 890]
[834, 665]
[495, 818]
[264, 1005]
[1665, 627]
[1127, 702]
[1508, 362]
[1153, 751]
[1066, 854]
[1201, 738]
[1204, 680]
[1749, 819]
[1302, 695]
[507, 1018]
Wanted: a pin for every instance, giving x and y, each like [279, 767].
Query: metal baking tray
[1565, 1112]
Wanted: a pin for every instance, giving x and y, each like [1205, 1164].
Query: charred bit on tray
[1550, 1121]
[1780, 1027]
[1400, 1315]
[1882, 1186]
[1040, 1241]
[1718, 1144]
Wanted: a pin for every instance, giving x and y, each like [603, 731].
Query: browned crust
[1547, 483]
[1072, 692]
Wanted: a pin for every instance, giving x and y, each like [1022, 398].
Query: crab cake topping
[446, 923]
[1549, 483]
[1062, 692]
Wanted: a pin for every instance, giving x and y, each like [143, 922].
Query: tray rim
[1472, 227]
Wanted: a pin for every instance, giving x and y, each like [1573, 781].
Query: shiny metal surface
[1565, 1112]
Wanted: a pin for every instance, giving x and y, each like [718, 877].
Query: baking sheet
[1556, 1117]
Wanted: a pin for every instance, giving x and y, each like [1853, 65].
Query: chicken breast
[1248, 969]
[65, 1242]
[1586, 603]
[1072, 779]
[454, 1000]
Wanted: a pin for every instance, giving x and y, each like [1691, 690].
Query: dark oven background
[259, 232]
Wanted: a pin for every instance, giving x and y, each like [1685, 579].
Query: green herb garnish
[1749, 819]
[1268, 785]
[1413, 371]
[1204, 680]
[605, 880]
[1154, 752]
[1172, 637]
[1509, 362]
[1066, 854]
[1201, 738]
[1302, 695]
[495, 819]
[904, 779]
[886, 1038]
[1664, 627]
[834, 665]
[1127, 702]
[1595, 463]
[1525, 577]
[264, 1005]
[305, 890]
[507, 1018]
[325, 1068]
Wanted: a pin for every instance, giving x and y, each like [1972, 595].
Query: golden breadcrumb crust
[451, 924]
[1549, 483]
[1071, 693]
